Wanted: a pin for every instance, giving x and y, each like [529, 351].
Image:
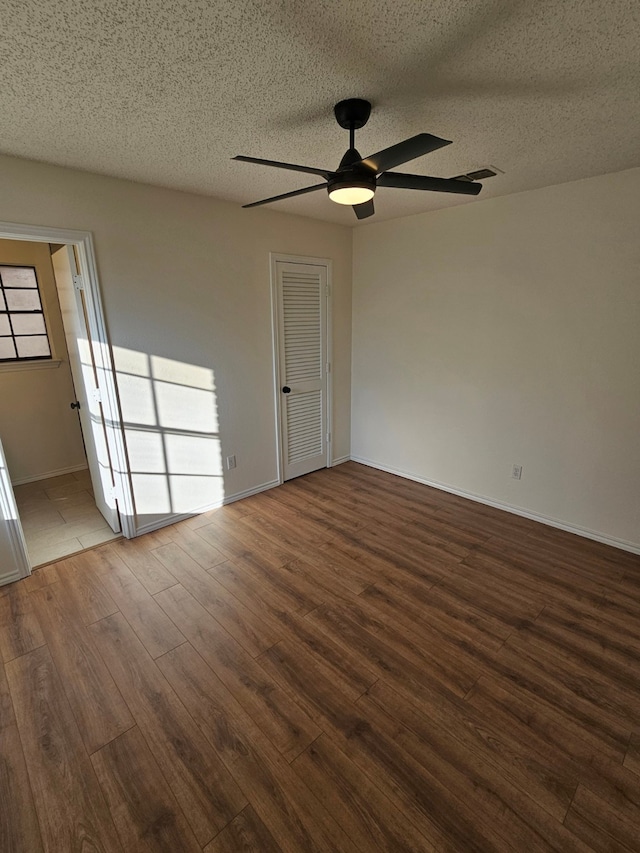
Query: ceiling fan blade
[422, 182]
[401, 153]
[287, 195]
[308, 169]
[362, 211]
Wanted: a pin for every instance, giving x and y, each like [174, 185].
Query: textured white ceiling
[167, 91]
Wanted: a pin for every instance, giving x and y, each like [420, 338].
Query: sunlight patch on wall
[171, 428]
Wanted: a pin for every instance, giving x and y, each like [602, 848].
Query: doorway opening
[61, 429]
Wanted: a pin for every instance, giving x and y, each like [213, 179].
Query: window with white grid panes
[23, 332]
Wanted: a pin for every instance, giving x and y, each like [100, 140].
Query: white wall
[185, 283]
[508, 331]
[40, 431]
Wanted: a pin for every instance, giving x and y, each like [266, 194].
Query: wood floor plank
[196, 546]
[19, 829]
[281, 799]
[41, 577]
[145, 812]
[609, 697]
[588, 630]
[369, 817]
[336, 516]
[71, 811]
[532, 558]
[153, 627]
[424, 633]
[90, 599]
[206, 792]
[330, 518]
[275, 712]
[100, 711]
[487, 744]
[632, 758]
[344, 569]
[534, 578]
[356, 500]
[371, 559]
[529, 807]
[343, 667]
[388, 651]
[283, 527]
[139, 556]
[258, 587]
[237, 510]
[416, 793]
[321, 581]
[601, 827]
[539, 678]
[461, 622]
[235, 541]
[508, 816]
[419, 540]
[20, 630]
[553, 740]
[246, 833]
[255, 584]
[252, 632]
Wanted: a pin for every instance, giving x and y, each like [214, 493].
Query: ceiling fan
[355, 180]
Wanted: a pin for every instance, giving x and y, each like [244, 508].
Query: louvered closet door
[302, 292]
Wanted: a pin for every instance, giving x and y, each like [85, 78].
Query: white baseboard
[340, 460]
[12, 576]
[57, 473]
[623, 544]
[228, 499]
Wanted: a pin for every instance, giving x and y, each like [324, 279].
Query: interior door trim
[20, 565]
[274, 258]
[83, 242]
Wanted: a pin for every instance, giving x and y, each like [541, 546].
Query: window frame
[46, 360]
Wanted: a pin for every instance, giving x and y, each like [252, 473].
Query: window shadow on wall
[170, 419]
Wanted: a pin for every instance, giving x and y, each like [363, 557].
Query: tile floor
[59, 517]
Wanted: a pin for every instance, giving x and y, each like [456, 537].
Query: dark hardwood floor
[350, 662]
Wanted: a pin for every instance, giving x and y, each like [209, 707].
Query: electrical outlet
[231, 462]
[516, 472]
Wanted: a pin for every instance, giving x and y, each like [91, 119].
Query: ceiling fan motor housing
[350, 175]
[352, 178]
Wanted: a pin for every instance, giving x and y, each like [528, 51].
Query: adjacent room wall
[39, 430]
[185, 283]
[507, 332]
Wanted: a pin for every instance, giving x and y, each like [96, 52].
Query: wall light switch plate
[516, 472]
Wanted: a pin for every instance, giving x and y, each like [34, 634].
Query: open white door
[301, 291]
[85, 380]
[14, 561]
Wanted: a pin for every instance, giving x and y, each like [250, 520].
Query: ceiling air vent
[480, 174]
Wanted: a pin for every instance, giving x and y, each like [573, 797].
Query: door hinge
[97, 395]
[326, 290]
[328, 437]
[328, 367]
[112, 494]
[78, 283]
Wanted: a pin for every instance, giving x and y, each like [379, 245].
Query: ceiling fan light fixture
[351, 193]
